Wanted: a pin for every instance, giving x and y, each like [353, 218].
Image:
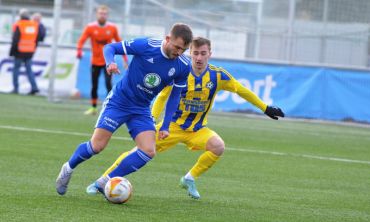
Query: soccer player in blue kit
[156, 64]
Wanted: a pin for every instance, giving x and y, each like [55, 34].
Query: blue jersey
[148, 73]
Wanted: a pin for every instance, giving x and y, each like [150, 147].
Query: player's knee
[150, 151]
[98, 145]
[216, 145]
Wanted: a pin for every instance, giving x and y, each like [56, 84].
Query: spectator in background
[24, 44]
[100, 32]
[42, 30]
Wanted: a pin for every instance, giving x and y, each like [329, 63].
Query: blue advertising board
[305, 92]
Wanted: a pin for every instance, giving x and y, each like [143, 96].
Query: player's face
[102, 15]
[174, 47]
[199, 57]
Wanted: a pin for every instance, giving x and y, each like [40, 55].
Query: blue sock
[130, 163]
[83, 152]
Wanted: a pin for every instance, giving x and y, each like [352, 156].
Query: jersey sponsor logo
[144, 89]
[195, 106]
[209, 85]
[107, 32]
[151, 60]
[110, 122]
[152, 80]
[171, 72]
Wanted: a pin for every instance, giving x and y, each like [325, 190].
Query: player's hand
[163, 134]
[112, 69]
[273, 112]
[79, 54]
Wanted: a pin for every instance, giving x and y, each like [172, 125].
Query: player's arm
[81, 42]
[248, 95]
[131, 47]
[160, 102]
[109, 51]
[235, 86]
[118, 39]
[179, 84]
[171, 106]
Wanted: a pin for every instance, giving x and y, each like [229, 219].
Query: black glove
[273, 112]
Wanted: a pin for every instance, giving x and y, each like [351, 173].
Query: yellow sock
[205, 161]
[116, 163]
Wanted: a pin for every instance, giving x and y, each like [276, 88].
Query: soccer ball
[118, 190]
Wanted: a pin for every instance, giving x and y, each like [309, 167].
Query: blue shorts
[112, 117]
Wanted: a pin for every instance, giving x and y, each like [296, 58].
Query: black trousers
[95, 73]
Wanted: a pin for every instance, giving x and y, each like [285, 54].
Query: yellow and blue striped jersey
[198, 96]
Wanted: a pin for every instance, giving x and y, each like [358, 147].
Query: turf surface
[270, 171]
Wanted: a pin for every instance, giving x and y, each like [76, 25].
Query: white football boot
[63, 179]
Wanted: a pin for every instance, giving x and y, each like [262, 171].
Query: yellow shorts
[193, 140]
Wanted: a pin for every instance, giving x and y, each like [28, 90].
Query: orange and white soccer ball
[118, 190]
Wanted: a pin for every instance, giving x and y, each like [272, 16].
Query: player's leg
[215, 147]
[95, 72]
[141, 128]
[208, 140]
[110, 119]
[98, 184]
[161, 146]
[108, 80]
[83, 152]
[17, 66]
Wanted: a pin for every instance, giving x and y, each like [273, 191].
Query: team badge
[171, 72]
[152, 80]
[209, 85]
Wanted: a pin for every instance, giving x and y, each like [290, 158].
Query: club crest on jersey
[171, 72]
[209, 85]
[152, 80]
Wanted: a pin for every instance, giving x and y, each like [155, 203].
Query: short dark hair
[183, 31]
[200, 41]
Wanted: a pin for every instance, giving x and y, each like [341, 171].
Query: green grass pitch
[271, 170]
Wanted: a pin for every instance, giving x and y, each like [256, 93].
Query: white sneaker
[63, 179]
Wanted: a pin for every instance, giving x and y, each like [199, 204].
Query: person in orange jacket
[24, 43]
[100, 32]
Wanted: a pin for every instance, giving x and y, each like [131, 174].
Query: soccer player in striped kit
[188, 124]
[155, 64]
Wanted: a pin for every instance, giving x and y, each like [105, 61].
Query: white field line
[228, 148]
[56, 132]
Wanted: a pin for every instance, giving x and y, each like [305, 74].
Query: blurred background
[311, 57]
[324, 32]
